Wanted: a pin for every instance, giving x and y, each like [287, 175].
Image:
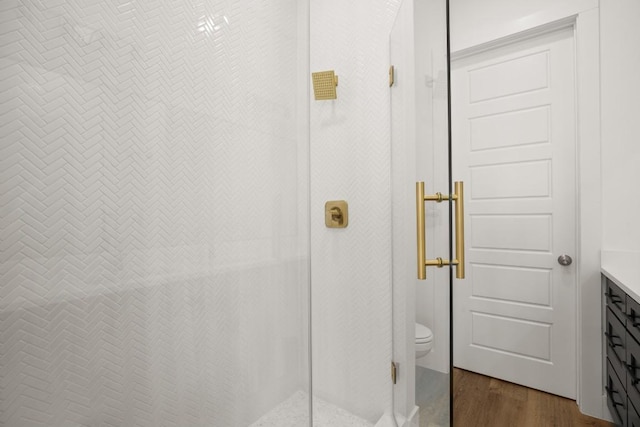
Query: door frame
[590, 389]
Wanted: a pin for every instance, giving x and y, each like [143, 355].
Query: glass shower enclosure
[157, 216]
[153, 213]
[426, 204]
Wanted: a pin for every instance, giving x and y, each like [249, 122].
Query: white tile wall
[151, 265]
[350, 160]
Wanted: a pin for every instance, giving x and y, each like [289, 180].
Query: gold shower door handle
[458, 198]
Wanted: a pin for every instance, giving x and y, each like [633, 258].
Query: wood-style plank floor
[483, 401]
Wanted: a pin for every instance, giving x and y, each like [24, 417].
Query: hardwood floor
[483, 401]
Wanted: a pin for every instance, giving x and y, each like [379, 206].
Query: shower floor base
[294, 412]
[432, 396]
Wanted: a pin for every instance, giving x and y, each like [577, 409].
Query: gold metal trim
[459, 199]
[421, 238]
[336, 214]
[392, 75]
[421, 231]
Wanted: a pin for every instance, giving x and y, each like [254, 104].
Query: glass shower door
[153, 227]
[425, 206]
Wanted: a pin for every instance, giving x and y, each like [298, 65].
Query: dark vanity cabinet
[622, 338]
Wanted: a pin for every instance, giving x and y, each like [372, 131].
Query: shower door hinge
[392, 75]
[394, 372]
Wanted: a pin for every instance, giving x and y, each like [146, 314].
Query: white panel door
[513, 119]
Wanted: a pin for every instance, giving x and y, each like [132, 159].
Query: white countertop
[623, 268]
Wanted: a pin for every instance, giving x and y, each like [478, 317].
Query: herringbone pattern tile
[148, 194]
[351, 267]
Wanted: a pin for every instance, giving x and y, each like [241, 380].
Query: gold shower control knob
[336, 214]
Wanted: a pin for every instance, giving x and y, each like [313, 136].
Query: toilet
[424, 340]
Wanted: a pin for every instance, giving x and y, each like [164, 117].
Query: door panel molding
[519, 207]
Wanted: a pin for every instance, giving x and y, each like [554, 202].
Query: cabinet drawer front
[633, 317]
[615, 298]
[615, 335]
[633, 369]
[616, 397]
[633, 419]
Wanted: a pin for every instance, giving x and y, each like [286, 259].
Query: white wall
[475, 22]
[620, 55]
[350, 160]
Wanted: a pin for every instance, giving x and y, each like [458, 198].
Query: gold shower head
[324, 85]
